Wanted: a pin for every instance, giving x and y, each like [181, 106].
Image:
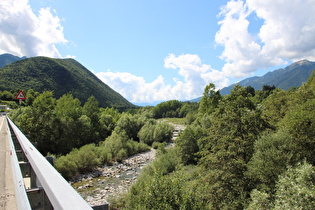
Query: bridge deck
[7, 190]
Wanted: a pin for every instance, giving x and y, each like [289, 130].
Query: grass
[178, 121]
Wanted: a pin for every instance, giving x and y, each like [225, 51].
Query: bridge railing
[22, 201]
[59, 192]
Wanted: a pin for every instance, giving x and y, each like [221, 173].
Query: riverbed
[112, 181]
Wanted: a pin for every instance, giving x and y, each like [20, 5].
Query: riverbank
[111, 181]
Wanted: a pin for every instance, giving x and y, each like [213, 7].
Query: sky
[157, 50]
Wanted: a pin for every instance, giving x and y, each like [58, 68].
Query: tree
[273, 153]
[30, 96]
[250, 90]
[68, 107]
[187, 144]
[38, 124]
[155, 132]
[295, 189]
[108, 119]
[167, 109]
[225, 152]
[276, 106]
[146, 133]
[300, 124]
[6, 95]
[128, 124]
[162, 132]
[209, 100]
[91, 110]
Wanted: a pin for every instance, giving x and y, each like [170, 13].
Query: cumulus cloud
[287, 33]
[24, 33]
[193, 77]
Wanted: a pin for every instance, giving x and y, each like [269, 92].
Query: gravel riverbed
[112, 181]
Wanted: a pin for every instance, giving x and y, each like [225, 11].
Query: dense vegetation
[84, 137]
[246, 150]
[61, 76]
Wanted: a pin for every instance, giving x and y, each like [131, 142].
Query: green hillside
[61, 76]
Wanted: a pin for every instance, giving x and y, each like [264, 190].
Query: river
[112, 181]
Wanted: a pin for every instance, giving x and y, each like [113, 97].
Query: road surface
[7, 192]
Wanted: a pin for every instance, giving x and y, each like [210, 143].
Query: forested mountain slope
[61, 76]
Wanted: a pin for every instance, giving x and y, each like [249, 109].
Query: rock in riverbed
[111, 181]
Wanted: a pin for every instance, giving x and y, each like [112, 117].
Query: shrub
[122, 154]
[66, 166]
[86, 158]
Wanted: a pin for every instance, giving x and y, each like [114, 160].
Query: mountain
[6, 59]
[61, 76]
[293, 75]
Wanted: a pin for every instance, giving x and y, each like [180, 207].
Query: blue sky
[157, 50]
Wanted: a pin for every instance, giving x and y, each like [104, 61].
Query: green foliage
[160, 186]
[259, 200]
[209, 100]
[230, 157]
[162, 192]
[129, 125]
[118, 147]
[146, 133]
[78, 160]
[60, 125]
[296, 188]
[273, 153]
[6, 95]
[300, 124]
[228, 146]
[167, 109]
[66, 166]
[187, 144]
[155, 132]
[276, 106]
[166, 162]
[30, 96]
[162, 132]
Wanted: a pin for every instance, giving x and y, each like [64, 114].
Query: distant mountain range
[6, 59]
[293, 75]
[59, 75]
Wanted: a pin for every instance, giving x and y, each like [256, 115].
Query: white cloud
[24, 33]
[194, 76]
[288, 33]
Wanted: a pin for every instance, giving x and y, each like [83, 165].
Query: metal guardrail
[22, 201]
[59, 192]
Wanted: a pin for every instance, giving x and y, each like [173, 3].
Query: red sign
[20, 95]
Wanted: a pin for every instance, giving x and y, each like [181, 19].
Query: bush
[155, 132]
[78, 160]
[86, 158]
[155, 145]
[121, 155]
[166, 162]
[66, 166]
